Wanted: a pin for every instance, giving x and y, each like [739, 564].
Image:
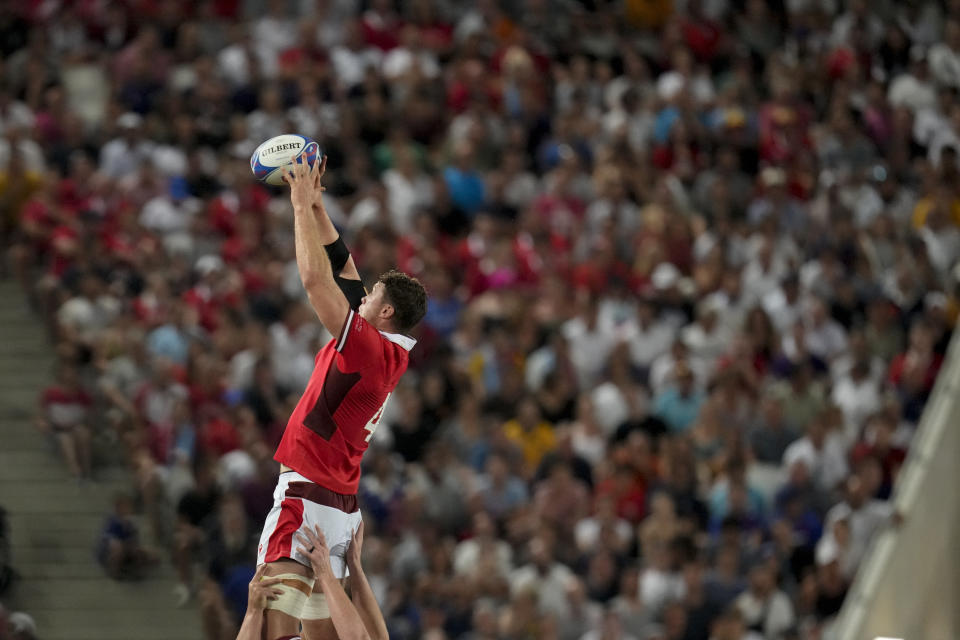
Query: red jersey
[342, 404]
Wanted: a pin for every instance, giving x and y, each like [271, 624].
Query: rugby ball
[276, 154]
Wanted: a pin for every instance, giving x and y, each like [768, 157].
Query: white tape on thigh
[295, 590]
[316, 607]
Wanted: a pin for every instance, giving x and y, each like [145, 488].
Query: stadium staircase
[55, 522]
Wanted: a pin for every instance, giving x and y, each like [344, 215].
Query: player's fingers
[323, 164]
[305, 540]
[269, 582]
[320, 535]
[304, 536]
[309, 538]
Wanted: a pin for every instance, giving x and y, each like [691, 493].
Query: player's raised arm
[345, 272]
[316, 272]
[343, 615]
[363, 598]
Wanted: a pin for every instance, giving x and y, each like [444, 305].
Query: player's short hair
[408, 297]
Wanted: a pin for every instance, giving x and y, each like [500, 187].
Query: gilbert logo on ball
[273, 156]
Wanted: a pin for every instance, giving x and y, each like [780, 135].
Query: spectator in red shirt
[878, 443]
[913, 372]
[64, 411]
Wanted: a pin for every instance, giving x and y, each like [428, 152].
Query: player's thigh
[319, 630]
[279, 624]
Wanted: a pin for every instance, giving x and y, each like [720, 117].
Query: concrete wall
[909, 584]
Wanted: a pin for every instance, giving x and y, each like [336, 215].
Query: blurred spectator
[65, 411]
[765, 609]
[119, 549]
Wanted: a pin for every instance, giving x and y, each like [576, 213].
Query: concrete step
[55, 523]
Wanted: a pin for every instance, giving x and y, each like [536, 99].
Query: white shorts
[298, 504]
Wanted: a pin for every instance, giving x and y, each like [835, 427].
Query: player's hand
[318, 189]
[355, 549]
[260, 591]
[317, 173]
[302, 177]
[316, 549]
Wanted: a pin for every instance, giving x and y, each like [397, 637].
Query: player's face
[372, 304]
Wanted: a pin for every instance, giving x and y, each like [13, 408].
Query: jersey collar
[398, 338]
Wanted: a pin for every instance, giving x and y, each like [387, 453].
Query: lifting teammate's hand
[317, 551]
[260, 590]
[354, 550]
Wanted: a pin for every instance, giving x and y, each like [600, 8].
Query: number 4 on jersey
[371, 426]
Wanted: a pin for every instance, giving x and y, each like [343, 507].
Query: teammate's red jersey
[338, 413]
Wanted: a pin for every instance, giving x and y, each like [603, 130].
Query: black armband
[353, 291]
[338, 253]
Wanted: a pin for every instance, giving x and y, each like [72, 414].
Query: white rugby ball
[271, 158]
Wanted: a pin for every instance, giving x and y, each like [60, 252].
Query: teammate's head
[397, 302]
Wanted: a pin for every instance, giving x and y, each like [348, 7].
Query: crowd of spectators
[691, 277]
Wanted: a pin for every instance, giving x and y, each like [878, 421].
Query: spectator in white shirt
[665, 366]
[661, 581]
[707, 338]
[612, 206]
[590, 532]
[940, 235]
[822, 452]
[858, 350]
[783, 303]
[867, 516]
[408, 190]
[14, 114]
[237, 62]
[649, 337]
[763, 272]
[590, 346]
[765, 608]
[834, 545]
[411, 58]
[944, 56]
[269, 119]
[825, 337]
[730, 626]
[273, 33]
[858, 17]
[468, 553]
[857, 394]
[291, 346]
[352, 58]
[547, 578]
[123, 155]
[83, 317]
[611, 628]
[913, 89]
